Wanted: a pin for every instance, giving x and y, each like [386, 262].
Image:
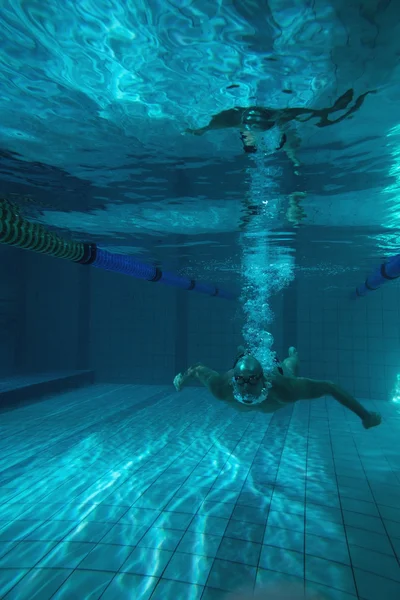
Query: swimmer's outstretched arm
[310, 389]
[209, 378]
[223, 120]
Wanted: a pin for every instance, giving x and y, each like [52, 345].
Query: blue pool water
[243, 147]
[122, 491]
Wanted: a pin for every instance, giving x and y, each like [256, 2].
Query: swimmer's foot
[178, 382]
[291, 363]
[373, 419]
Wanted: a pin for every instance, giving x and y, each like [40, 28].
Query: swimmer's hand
[295, 214]
[372, 420]
[178, 382]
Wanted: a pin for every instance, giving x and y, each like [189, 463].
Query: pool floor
[137, 492]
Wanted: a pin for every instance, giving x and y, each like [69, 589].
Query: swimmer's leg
[241, 351]
[344, 100]
[291, 363]
[291, 144]
[324, 122]
[223, 120]
[305, 114]
[295, 213]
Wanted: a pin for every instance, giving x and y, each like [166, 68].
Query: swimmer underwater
[258, 119]
[247, 387]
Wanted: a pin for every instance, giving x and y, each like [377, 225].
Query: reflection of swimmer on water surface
[295, 212]
[257, 119]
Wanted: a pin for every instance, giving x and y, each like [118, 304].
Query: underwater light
[396, 392]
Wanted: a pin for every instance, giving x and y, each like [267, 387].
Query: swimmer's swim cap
[257, 119]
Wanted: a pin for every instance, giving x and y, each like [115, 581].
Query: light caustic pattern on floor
[130, 492]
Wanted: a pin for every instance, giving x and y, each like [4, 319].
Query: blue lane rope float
[386, 272]
[17, 231]
[129, 265]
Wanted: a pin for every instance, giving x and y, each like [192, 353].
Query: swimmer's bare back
[283, 391]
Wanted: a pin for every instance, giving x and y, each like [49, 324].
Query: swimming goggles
[242, 380]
